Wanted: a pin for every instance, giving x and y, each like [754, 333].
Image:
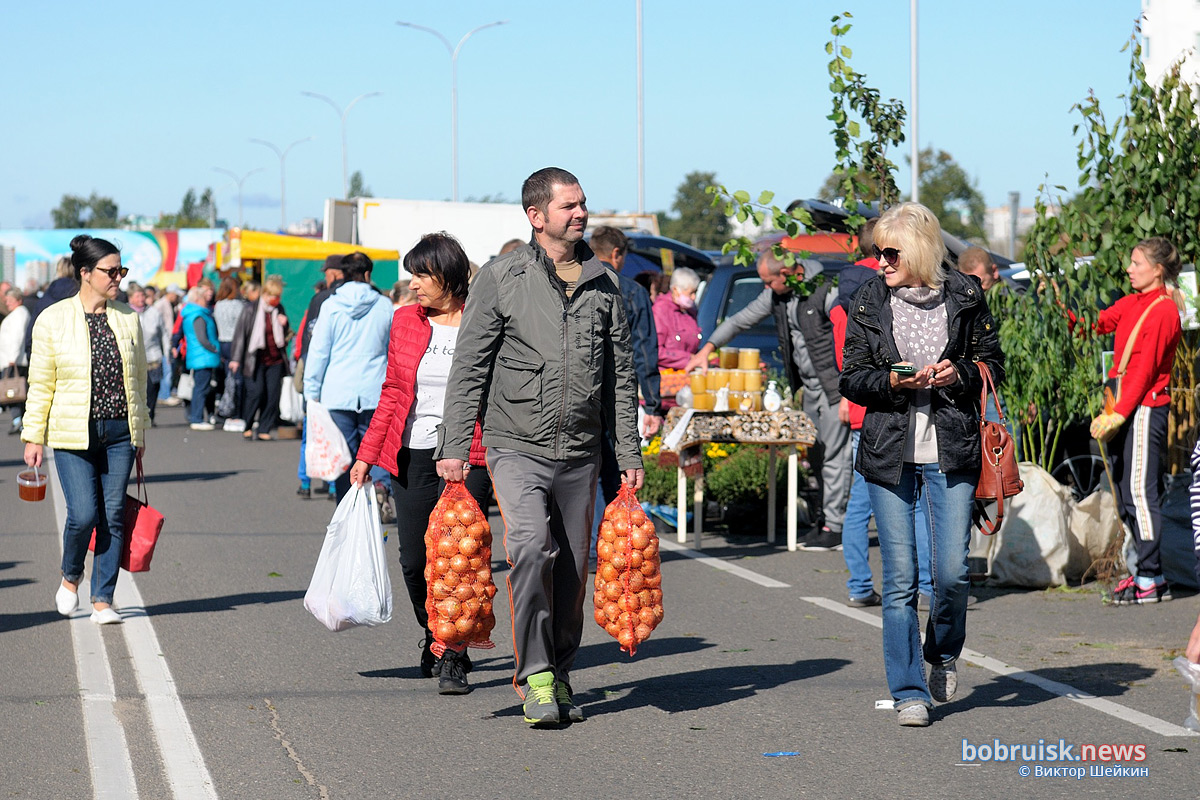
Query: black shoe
[824, 540]
[305, 492]
[866, 601]
[428, 659]
[452, 678]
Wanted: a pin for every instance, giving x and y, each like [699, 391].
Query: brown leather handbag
[999, 477]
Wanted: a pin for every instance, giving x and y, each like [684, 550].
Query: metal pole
[916, 146]
[641, 126]
[342, 114]
[239, 182]
[453, 51]
[282, 185]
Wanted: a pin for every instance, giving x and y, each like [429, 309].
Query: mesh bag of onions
[628, 597]
[458, 570]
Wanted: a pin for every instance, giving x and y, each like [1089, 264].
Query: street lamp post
[282, 185]
[342, 113]
[453, 51]
[239, 180]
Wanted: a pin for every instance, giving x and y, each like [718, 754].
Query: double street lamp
[239, 180]
[282, 186]
[342, 113]
[453, 51]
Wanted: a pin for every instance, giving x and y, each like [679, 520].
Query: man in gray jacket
[544, 352]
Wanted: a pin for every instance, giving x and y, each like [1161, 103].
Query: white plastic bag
[350, 584]
[1191, 674]
[291, 404]
[326, 455]
[184, 389]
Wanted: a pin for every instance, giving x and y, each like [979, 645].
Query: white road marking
[1123, 713]
[108, 750]
[724, 566]
[109, 761]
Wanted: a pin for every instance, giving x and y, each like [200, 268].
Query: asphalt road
[224, 686]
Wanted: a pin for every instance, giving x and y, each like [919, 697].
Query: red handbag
[143, 525]
[999, 476]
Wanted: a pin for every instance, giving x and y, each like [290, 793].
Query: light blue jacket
[347, 357]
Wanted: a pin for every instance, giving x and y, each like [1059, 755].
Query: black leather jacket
[871, 350]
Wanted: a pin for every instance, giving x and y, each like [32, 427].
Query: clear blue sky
[140, 100]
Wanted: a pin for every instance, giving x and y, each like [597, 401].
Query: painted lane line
[109, 763]
[724, 566]
[1123, 713]
[183, 763]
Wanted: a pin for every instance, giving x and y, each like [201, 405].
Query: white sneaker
[107, 616]
[915, 715]
[65, 600]
[234, 425]
[202, 426]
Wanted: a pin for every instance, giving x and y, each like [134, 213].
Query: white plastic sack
[350, 584]
[326, 455]
[1191, 674]
[1034, 548]
[183, 390]
[291, 404]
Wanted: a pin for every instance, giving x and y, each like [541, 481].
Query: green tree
[75, 212]
[950, 194]
[193, 212]
[1140, 177]
[697, 221]
[358, 185]
[831, 189]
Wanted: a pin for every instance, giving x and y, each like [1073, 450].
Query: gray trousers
[547, 508]
[832, 458]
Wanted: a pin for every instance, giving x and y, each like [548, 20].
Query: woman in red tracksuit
[403, 433]
[1136, 429]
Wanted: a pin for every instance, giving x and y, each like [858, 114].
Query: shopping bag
[143, 526]
[458, 570]
[326, 454]
[350, 584]
[184, 389]
[227, 404]
[291, 405]
[13, 387]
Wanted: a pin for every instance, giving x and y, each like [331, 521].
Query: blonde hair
[913, 229]
[273, 284]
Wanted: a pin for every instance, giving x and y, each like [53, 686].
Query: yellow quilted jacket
[59, 400]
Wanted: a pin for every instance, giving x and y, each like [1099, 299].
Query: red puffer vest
[409, 339]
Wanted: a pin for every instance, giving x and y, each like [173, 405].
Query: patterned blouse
[108, 384]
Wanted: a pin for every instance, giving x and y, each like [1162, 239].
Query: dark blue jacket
[644, 338]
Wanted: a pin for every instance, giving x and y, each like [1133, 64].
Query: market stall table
[686, 428]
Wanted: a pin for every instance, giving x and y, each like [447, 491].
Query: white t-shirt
[420, 430]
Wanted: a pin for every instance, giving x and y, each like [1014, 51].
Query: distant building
[1171, 32]
[996, 226]
[305, 227]
[38, 272]
[8, 264]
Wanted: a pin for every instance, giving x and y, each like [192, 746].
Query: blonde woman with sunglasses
[87, 400]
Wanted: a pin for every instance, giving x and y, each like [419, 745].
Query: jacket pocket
[518, 381]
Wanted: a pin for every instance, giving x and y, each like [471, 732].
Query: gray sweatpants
[831, 456]
[547, 508]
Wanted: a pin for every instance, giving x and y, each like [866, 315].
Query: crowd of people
[467, 374]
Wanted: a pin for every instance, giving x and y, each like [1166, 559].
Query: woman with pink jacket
[675, 317]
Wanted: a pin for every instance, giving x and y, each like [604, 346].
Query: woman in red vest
[403, 433]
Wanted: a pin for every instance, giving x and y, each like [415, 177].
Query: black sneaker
[428, 659]
[866, 601]
[452, 678]
[304, 492]
[824, 540]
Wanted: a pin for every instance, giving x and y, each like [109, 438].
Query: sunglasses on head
[889, 254]
[115, 273]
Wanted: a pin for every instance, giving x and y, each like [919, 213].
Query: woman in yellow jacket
[87, 400]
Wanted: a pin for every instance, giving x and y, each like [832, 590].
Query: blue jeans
[353, 425]
[856, 538]
[950, 499]
[94, 482]
[203, 379]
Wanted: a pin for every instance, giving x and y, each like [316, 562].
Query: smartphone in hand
[904, 368]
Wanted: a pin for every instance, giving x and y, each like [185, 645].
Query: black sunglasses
[114, 273]
[889, 254]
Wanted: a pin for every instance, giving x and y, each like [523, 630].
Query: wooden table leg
[793, 493]
[771, 494]
[681, 506]
[698, 512]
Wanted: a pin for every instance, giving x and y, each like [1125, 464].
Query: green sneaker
[566, 705]
[541, 708]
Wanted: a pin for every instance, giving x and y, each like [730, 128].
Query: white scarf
[258, 333]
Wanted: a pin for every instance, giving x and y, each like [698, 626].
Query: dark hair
[229, 288]
[441, 257]
[356, 266]
[510, 245]
[333, 262]
[538, 189]
[866, 237]
[86, 252]
[606, 238]
[1159, 250]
